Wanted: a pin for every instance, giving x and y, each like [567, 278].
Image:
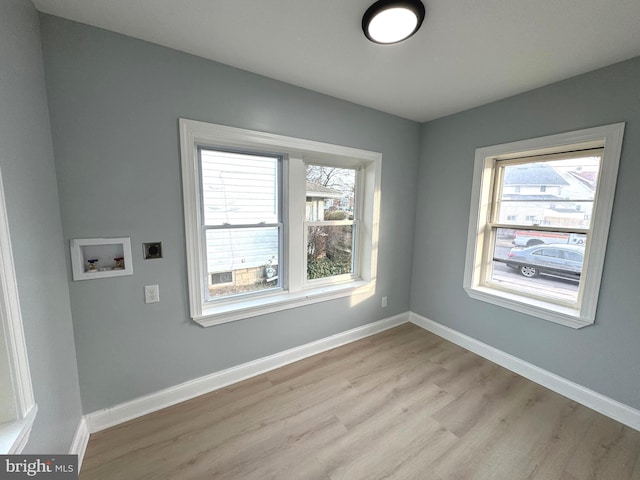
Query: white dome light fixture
[392, 21]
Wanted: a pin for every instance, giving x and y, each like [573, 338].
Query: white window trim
[14, 435]
[194, 134]
[609, 136]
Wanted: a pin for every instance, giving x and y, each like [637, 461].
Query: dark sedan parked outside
[556, 260]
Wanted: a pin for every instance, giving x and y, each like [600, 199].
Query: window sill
[217, 314]
[14, 435]
[552, 312]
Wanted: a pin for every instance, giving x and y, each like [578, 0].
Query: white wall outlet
[384, 302]
[151, 294]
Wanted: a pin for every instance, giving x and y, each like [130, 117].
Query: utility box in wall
[100, 257]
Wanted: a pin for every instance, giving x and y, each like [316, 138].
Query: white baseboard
[594, 400]
[80, 441]
[123, 412]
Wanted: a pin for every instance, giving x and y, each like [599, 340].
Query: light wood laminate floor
[403, 404]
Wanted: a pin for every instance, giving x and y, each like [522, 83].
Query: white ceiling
[467, 53]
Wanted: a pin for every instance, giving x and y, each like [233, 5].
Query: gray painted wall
[115, 104]
[604, 357]
[26, 160]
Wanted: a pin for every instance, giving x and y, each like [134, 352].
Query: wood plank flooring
[403, 404]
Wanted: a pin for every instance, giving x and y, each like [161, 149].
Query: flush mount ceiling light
[391, 21]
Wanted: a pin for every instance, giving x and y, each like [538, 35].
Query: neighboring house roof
[316, 190]
[587, 178]
[533, 175]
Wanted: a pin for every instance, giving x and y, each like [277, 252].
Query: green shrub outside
[324, 267]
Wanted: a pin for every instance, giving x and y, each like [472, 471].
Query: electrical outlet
[151, 294]
[384, 302]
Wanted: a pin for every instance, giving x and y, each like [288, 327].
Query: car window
[548, 252]
[573, 256]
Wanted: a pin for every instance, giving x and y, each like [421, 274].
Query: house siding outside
[240, 190]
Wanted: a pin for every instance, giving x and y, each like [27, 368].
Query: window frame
[14, 434]
[296, 153]
[204, 227]
[493, 224]
[583, 314]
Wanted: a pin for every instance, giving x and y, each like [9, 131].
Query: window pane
[551, 267]
[239, 189]
[329, 251]
[557, 193]
[330, 193]
[241, 260]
